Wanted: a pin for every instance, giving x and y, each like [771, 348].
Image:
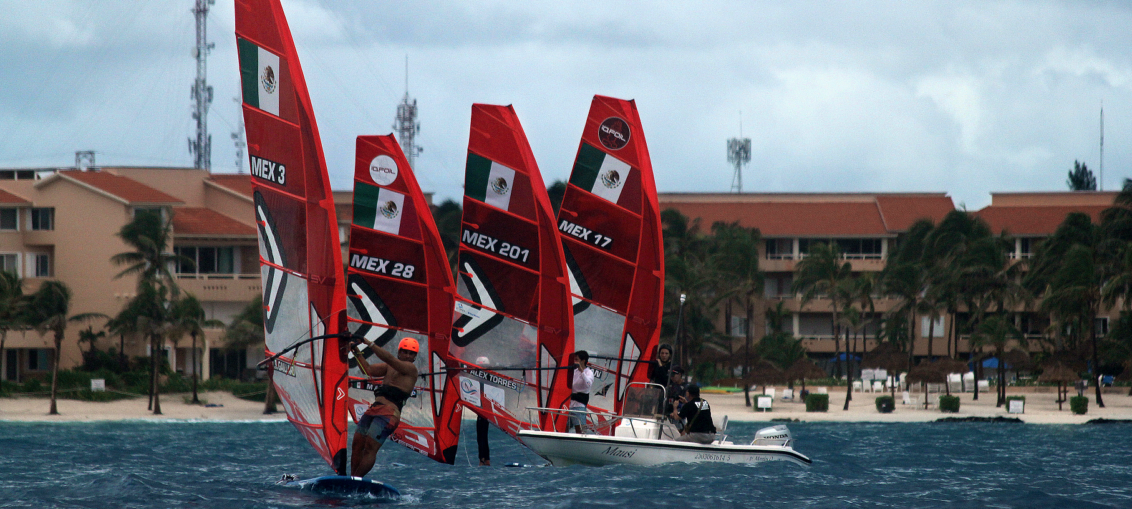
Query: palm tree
[738, 250]
[691, 269]
[89, 336]
[147, 316]
[188, 317]
[1069, 271]
[246, 329]
[906, 277]
[149, 235]
[997, 332]
[822, 272]
[12, 301]
[48, 311]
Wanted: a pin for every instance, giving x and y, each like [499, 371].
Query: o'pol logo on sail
[389, 209]
[500, 187]
[383, 170]
[611, 179]
[613, 133]
[267, 79]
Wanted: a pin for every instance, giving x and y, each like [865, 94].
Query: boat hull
[562, 449]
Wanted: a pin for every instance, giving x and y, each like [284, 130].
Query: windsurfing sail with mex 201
[609, 223]
[304, 296]
[512, 332]
[399, 284]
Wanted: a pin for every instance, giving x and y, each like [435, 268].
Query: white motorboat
[649, 440]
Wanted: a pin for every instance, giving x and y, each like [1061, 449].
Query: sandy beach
[1041, 408]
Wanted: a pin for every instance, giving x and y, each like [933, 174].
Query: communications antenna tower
[84, 160]
[238, 139]
[406, 125]
[201, 147]
[738, 154]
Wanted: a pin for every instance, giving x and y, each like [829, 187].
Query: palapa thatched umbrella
[764, 373]
[948, 366]
[926, 373]
[804, 368]
[1061, 375]
[888, 357]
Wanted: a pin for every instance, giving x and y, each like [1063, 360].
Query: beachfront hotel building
[866, 226]
[63, 225]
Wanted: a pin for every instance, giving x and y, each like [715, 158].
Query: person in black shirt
[676, 390]
[658, 367]
[699, 427]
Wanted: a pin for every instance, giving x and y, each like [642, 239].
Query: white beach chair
[857, 386]
[769, 392]
[788, 394]
[823, 390]
[878, 386]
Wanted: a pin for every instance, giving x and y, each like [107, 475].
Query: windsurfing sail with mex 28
[609, 223]
[304, 297]
[512, 332]
[399, 284]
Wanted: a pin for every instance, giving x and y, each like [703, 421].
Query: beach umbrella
[1061, 375]
[926, 373]
[805, 368]
[764, 373]
[888, 357]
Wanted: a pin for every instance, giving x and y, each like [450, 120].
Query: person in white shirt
[582, 381]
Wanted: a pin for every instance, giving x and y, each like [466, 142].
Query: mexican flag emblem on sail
[600, 173]
[488, 181]
[260, 76]
[378, 208]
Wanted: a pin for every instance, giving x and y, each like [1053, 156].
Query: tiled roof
[202, 221]
[126, 189]
[900, 211]
[236, 182]
[777, 219]
[11, 199]
[1035, 220]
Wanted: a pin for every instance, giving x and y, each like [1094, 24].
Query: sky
[966, 98]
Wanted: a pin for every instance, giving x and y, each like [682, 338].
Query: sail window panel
[516, 289]
[598, 223]
[406, 303]
[508, 343]
[276, 157]
[499, 235]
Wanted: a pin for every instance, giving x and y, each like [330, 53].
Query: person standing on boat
[399, 377]
[581, 383]
[659, 367]
[699, 427]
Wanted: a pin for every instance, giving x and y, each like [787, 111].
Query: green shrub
[817, 403]
[33, 385]
[885, 404]
[1079, 404]
[949, 404]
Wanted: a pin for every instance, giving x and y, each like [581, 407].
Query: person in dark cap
[677, 387]
[696, 414]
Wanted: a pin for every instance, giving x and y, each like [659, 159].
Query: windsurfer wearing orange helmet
[399, 376]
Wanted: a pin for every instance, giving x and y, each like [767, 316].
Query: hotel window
[10, 262]
[42, 218]
[206, 259]
[39, 359]
[42, 264]
[1027, 246]
[160, 211]
[738, 326]
[1100, 326]
[9, 219]
[779, 249]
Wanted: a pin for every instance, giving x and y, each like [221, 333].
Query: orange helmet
[409, 344]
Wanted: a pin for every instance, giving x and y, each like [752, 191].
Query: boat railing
[595, 421]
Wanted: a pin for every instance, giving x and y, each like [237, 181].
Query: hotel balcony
[221, 287]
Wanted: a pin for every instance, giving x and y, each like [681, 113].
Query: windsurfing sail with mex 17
[609, 223]
[399, 284]
[512, 330]
[304, 296]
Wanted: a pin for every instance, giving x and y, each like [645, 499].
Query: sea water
[235, 465]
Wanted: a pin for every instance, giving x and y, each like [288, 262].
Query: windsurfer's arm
[391, 361]
[370, 371]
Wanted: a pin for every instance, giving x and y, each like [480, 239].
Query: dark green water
[234, 465]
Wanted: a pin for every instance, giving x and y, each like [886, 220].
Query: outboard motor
[775, 435]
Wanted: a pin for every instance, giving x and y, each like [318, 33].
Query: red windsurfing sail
[399, 284]
[300, 259]
[609, 222]
[513, 326]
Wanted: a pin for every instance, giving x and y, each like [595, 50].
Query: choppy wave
[141, 464]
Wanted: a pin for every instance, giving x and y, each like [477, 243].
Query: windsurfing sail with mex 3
[304, 296]
[609, 223]
[399, 284]
[512, 332]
